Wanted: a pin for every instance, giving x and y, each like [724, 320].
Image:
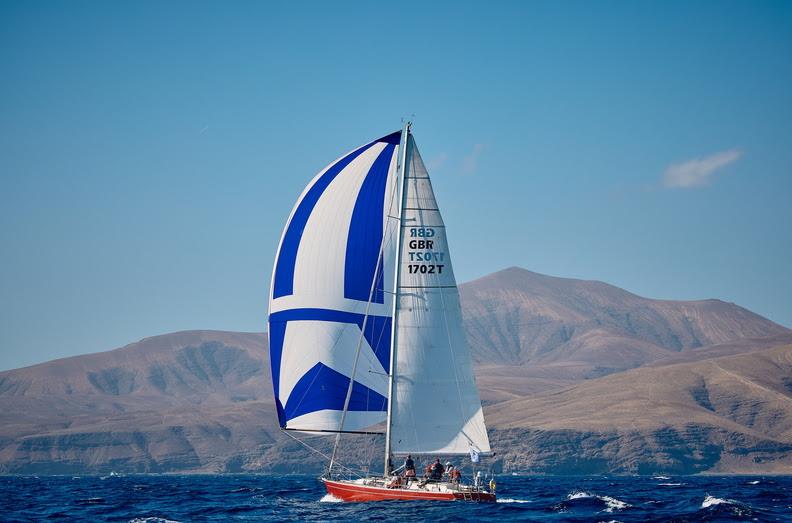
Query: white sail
[327, 260]
[436, 407]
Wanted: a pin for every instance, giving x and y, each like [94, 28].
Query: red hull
[353, 492]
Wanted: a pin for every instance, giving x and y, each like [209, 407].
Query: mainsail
[332, 309]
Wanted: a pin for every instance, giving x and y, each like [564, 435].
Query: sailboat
[366, 328]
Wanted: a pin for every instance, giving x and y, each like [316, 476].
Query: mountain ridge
[202, 400]
[517, 316]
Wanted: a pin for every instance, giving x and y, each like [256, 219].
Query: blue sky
[150, 152]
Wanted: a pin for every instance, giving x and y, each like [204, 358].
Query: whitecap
[613, 503]
[329, 498]
[152, 520]
[711, 501]
[512, 500]
[754, 482]
[660, 477]
[669, 484]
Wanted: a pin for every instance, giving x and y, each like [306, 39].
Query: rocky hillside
[519, 317]
[202, 400]
[727, 414]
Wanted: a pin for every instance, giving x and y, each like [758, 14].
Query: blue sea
[163, 498]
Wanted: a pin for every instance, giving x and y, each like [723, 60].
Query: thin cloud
[470, 162]
[437, 162]
[698, 171]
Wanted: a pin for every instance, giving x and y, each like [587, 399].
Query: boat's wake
[329, 498]
[512, 500]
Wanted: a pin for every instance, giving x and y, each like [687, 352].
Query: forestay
[327, 260]
[436, 407]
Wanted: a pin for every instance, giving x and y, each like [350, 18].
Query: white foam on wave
[611, 503]
[711, 501]
[754, 482]
[512, 500]
[152, 520]
[669, 484]
[329, 498]
[660, 477]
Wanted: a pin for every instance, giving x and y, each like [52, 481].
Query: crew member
[395, 481]
[409, 467]
[437, 470]
[456, 475]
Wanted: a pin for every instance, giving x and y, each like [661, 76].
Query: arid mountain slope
[732, 413]
[520, 317]
[177, 364]
[202, 400]
[183, 401]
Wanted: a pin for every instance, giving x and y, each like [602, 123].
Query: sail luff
[402, 167]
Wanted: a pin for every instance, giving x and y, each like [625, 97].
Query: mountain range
[576, 377]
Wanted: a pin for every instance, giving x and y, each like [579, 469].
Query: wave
[329, 498]
[754, 482]
[711, 501]
[90, 501]
[152, 520]
[512, 500]
[249, 489]
[669, 484]
[729, 505]
[610, 503]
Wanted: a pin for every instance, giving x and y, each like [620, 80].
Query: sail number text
[422, 250]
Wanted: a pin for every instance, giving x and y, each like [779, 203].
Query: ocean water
[163, 498]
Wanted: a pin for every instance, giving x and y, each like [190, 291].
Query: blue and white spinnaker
[332, 308]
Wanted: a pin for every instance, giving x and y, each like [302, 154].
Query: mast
[396, 282]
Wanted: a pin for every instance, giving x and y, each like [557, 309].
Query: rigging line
[312, 449]
[380, 257]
